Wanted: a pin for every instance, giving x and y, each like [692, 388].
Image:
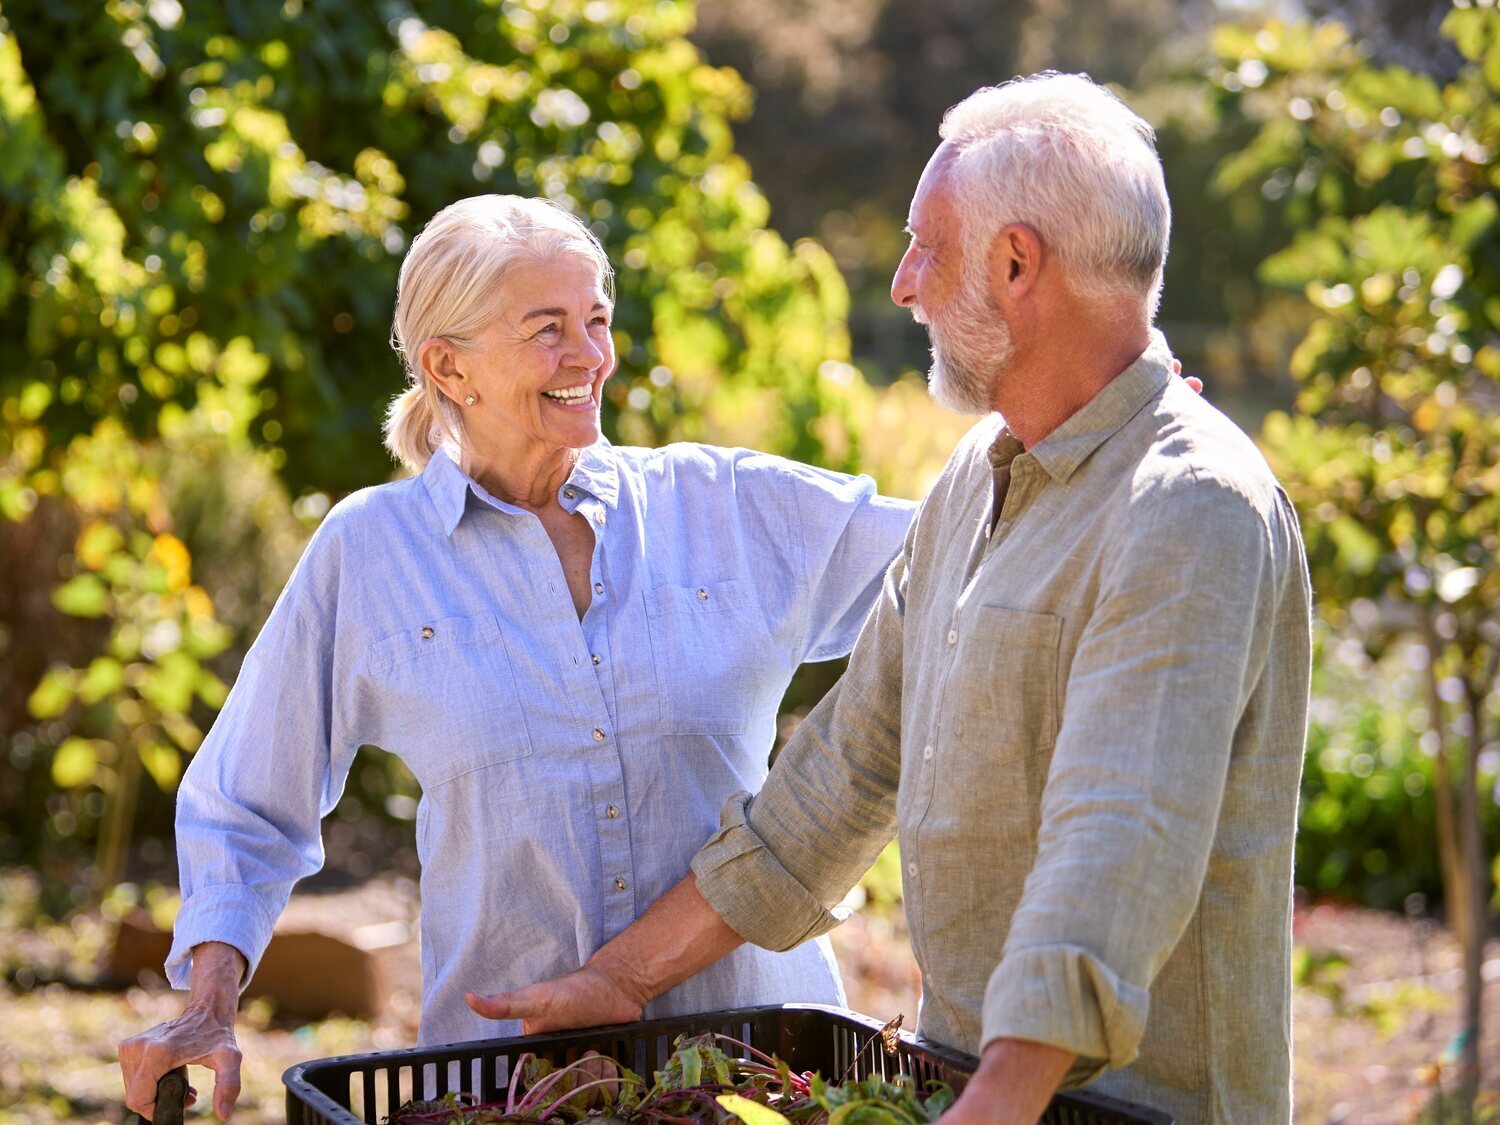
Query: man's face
[971, 342]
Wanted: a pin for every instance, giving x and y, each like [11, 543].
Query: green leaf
[211, 689]
[52, 696]
[104, 677]
[163, 763]
[751, 1113]
[168, 685]
[1358, 549]
[73, 763]
[1474, 221]
[84, 596]
[692, 1066]
[863, 1113]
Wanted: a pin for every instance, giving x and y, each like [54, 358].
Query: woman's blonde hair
[447, 290]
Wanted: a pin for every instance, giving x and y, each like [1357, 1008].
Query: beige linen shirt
[1087, 724]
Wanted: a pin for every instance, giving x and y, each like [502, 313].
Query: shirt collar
[596, 474]
[1065, 448]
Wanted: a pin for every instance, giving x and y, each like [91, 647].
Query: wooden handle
[171, 1093]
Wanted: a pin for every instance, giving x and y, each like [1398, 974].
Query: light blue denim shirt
[570, 770]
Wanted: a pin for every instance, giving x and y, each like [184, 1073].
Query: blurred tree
[1393, 455]
[849, 95]
[1406, 32]
[202, 212]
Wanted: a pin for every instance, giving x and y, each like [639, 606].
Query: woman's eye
[552, 329]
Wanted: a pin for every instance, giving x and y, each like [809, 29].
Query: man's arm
[679, 935]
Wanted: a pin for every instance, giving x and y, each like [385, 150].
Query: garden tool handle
[171, 1093]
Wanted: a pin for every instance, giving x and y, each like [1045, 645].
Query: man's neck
[1041, 391]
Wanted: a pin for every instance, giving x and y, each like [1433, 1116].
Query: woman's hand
[1192, 380]
[202, 1036]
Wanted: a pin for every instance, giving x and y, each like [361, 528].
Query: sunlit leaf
[83, 596]
[751, 1113]
[52, 696]
[163, 763]
[104, 677]
[74, 762]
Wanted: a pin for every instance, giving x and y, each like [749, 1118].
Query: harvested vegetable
[701, 1083]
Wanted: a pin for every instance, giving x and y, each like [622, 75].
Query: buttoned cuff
[227, 913]
[1067, 997]
[748, 887]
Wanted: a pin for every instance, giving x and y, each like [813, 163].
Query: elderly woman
[577, 649]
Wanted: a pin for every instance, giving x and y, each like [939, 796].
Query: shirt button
[702, 594]
[911, 869]
[598, 587]
[596, 658]
[612, 812]
[569, 493]
[598, 735]
[953, 636]
[619, 884]
[427, 632]
[927, 753]
[599, 518]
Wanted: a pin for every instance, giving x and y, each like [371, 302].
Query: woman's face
[537, 370]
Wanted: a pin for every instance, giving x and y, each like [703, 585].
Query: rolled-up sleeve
[780, 862]
[1163, 672]
[251, 802]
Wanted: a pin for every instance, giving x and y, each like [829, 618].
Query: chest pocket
[1007, 705]
[447, 697]
[713, 656]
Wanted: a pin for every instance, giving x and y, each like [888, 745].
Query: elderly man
[1082, 697]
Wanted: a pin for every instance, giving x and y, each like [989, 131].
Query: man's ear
[1015, 263]
[439, 361]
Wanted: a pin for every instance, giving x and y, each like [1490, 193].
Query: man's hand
[677, 936]
[1015, 1081]
[202, 1036]
[586, 998]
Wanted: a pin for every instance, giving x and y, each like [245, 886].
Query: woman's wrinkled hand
[199, 1037]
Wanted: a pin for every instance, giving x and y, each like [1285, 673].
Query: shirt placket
[1018, 485]
[592, 676]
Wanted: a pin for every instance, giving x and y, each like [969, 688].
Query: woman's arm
[202, 1036]
[249, 813]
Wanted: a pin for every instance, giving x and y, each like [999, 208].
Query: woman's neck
[528, 481]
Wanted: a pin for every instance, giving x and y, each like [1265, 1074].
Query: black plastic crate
[364, 1089]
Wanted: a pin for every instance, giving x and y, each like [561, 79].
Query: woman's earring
[469, 400]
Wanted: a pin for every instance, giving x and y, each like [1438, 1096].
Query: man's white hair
[1066, 157]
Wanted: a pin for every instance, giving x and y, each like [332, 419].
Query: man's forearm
[679, 934]
[1013, 1084]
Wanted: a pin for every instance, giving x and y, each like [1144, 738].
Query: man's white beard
[971, 348]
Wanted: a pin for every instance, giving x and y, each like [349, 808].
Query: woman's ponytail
[413, 432]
